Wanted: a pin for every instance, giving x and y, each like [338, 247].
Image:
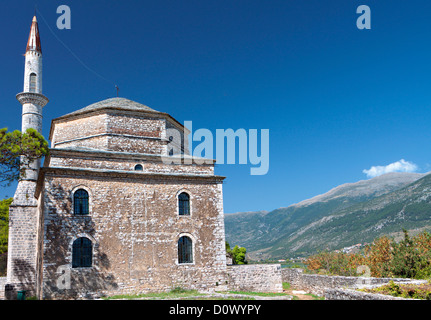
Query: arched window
[82, 253]
[80, 202]
[139, 167]
[184, 204]
[185, 250]
[32, 82]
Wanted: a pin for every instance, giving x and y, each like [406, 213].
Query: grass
[183, 294]
[220, 298]
[173, 294]
[259, 294]
[286, 286]
[315, 297]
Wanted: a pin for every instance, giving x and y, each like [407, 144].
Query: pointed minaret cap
[33, 43]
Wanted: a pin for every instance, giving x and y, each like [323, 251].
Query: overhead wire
[74, 54]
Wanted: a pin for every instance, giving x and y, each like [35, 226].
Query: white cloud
[399, 166]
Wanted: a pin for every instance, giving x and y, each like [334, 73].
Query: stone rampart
[348, 294]
[334, 285]
[255, 278]
[2, 287]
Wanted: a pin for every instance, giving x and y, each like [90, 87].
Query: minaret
[32, 99]
[22, 267]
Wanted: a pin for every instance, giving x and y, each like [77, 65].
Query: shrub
[421, 291]
[337, 263]
[410, 258]
[237, 254]
[3, 264]
[4, 223]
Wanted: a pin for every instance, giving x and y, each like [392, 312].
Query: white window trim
[93, 249]
[90, 202]
[189, 235]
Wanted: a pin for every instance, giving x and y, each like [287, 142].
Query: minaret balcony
[33, 98]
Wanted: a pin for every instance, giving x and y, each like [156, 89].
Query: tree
[17, 151]
[4, 224]
[379, 257]
[239, 255]
[411, 256]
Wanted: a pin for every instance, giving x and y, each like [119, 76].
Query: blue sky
[337, 100]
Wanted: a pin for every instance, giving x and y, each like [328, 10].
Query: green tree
[239, 255]
[404, 257]
[4, 224]
[412, 257]
[18, 150]
[229, 251]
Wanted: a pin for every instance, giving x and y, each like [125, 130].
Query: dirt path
[300, 295]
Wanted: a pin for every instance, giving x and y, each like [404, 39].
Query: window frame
[32, 84]
[84, 207]
[90, 201]
[180, 205]
[190, 248]
[82, 256]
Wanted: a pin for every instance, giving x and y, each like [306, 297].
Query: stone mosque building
[107, 213]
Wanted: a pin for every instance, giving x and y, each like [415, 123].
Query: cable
[73, 54]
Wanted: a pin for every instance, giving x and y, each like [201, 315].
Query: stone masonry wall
[255, 278]
[23, 227]
[129, 165]
[134, 227]
[2, 287]
[78, 128]
[179, 141]
[113, 131]
[124, 124]
[317, 284]
[346, 294]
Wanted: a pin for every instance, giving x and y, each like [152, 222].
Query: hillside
[348, 214]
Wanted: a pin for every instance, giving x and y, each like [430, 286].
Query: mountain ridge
[314, 224]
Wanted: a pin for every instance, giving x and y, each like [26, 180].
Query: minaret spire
[33, 42]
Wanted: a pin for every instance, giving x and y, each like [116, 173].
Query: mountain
[346, 215]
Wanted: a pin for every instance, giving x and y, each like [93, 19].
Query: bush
[178, 290]
[4, 223]
[3, 264]
[410, 258]
[421, 291]
[335, 263]
[237, 254]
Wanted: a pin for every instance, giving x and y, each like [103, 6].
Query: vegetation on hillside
[409, 258]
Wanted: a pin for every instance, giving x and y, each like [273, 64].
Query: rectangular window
[185, 250]
[82, 253]
[33, 82]
[184, 204]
